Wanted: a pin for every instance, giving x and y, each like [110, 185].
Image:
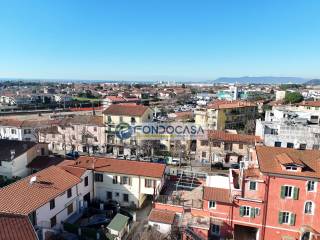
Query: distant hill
[261, 80]
[313, 82]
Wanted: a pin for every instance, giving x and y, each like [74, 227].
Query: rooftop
[270, 160]
[216, 194]
[162, 216]
[15, 227]
[129, 167]
[222, 104]
[10, 149]
[118, 222]
[229, 137]
[24, 197]
[125, 110]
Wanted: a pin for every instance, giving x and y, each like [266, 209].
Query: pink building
[275, 196]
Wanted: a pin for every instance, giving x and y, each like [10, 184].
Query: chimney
[33, 180]
[12, 153]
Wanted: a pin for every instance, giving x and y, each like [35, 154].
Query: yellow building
[131, 114]
[221, 115]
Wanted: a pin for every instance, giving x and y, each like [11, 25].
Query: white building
[162, 220]
[48, 197]
[16, 155]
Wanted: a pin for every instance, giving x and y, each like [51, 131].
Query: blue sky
[159, 40]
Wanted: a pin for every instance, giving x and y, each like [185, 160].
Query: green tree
[293, 97]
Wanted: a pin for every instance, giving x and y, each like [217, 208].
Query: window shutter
[292, 219]
[257, 211]
[282, 192]
[252, 212]
[241, 211]
[280, 217]
[295, 193]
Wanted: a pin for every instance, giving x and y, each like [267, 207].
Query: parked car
[72, 155]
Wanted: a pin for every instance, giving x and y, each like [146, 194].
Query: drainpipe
[266, 196]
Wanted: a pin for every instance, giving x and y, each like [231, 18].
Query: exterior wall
[136, 190]
[17, 167]
[12, 133]
[276, 204]
[161, 227]
[44, 214]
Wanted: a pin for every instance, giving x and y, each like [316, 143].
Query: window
[291, 168]
[27, 131]
[148, 183]
[253, 185]
[274, 131]
[98, 177]
[277, 144]
[315, 147]
[308, 208]
[115, 179]
[125, 197]
[109, 119]
[216, 144]
[13, 131]
[133, 120]
[125, 180]
[303, 146]
[70, 209]
[94, 129]
[53, 221]
[204, 154]
[121, 119]
[215, 230]
[287, 218]
[212, 204]
[86, 181]
[240, 146]
[69, 193]
[244, 211]
[109, 195]
[52, 204]
[311, 186]
[289, 192]
[204, 143]
[290, 145]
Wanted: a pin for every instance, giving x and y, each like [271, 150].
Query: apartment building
[291, 127]
[274, 196]
[48, 197]
[23, 130]
[221, 115]
[16, 155]
[82, 133]
[224, 147]
[127, 182]
[131, 114]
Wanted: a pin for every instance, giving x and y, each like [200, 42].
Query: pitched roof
[162, 216]
[23, 198]
[125, 110]
[229, 137]
[15, 227]
[222, 104]
[310, 103]
[19, 147]
[129, 167]
[118, 222]
[42, 162]
[252, 173]
[269, 162]
[216, 194]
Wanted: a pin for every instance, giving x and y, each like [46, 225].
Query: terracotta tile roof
[222, 104]
[76, 171]
[162, 216]
[216, 194]
[23, 198]
[285, 159]
[11, 122]
[310, 103]
[268, 159]
[16, 227]
[82, 120]
[19, 147]
[229, 137]
[115, 98]
[42, 162]
[125, 110]
[129, 167]
[252, 173]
